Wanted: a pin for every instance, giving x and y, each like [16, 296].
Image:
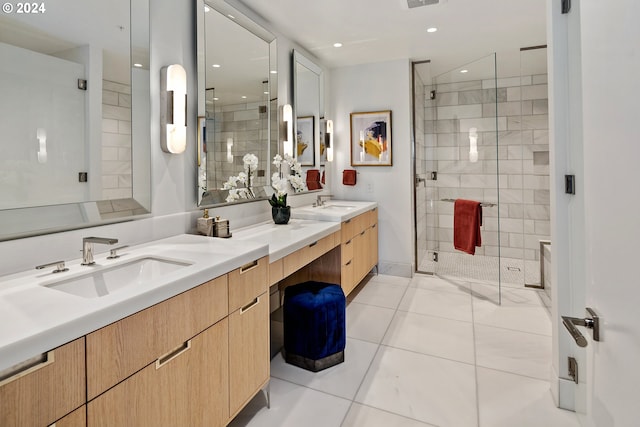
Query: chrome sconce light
[173, 109]
[329, 140]
[287, 118]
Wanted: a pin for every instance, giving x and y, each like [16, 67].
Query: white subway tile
[535, 92]
[459, 111]
[109, 125]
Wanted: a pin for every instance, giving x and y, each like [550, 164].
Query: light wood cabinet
[247, 282]
[359, 248]
[300, 258]
[119, 350]
[77, 418]
[248, 351]
[46, 389]
[185, 387]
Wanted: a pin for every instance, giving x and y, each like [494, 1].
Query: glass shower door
[461, 143]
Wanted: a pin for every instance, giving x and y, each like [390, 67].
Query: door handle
[592, 323]
[419, 180]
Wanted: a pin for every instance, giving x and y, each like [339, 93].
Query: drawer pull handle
[374, 226]
[27, 367]
[348, 242]
[364, 231]
[349, 263]
[313, 244]
[347, 221]
[250, 305]
[182, 348]
[248, 267]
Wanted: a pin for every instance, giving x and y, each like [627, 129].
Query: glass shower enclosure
[456, 156]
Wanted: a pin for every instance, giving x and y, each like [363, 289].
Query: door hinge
[566, 6]
[435, 257]
[82, 84]
[432, 94]
[434, 176]
[573, 369]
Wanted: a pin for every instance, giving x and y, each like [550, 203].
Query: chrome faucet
[319, 201]
[87, 247]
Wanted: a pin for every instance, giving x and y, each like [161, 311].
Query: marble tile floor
[426, 351]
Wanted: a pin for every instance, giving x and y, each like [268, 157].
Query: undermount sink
[345, 207]
[108, 280]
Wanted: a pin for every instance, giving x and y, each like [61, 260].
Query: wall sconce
[329, 140]
[287, 118]
[229, 153]
[473, 145]
[173, 109]
[41, 135]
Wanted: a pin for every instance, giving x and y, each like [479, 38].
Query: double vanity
[172, 332]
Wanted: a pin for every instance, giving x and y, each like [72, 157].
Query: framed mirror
[75, 116]
[237, 105]
[309, 124]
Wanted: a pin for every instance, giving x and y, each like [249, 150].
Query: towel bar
[483, 204]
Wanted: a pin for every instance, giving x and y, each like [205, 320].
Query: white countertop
[284, 239]
[333, 210]
[34, 319]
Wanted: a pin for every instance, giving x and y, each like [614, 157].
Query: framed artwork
[323, 142]
[371, 143]
[305, 142]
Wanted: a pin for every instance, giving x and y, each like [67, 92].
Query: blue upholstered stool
[314, 325]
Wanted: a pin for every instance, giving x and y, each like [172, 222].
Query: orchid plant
[246, 192]
[280, 182]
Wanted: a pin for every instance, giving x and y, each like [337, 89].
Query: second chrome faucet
[87, 247]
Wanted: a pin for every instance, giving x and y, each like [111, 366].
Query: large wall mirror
[237, 105]
[308, 110]
[75, 115]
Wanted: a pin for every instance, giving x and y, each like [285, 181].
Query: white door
[597, 136]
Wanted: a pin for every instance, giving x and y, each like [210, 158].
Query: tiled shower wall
[246, 124]
[116, 141]
[522, 150]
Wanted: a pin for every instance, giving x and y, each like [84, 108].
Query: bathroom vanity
[181, 351]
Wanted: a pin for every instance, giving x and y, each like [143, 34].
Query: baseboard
[395, 269]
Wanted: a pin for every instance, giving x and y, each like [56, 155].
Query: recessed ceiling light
[274, 72]
[244, 97]
[137, 65]
[464, 71]
[216, 99]
[206, 8]
[231, 16]
[432, 30]
[266, 92]
[337, 45]
[216, 65]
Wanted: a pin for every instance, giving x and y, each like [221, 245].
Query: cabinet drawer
[247, 282]
[77, 418]
[276, 271]
[371, 217]
[347, 277]
[322, 246]
[187, 387]
[46, 391]
[347, 251]
[293, 262]
[248, 352]
[126, 346]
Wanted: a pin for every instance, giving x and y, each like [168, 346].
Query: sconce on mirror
[173, 110]
[287, 118]
[329, 141]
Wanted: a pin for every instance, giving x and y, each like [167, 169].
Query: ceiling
[382, 30]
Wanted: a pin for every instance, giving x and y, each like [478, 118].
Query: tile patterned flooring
[426, 351]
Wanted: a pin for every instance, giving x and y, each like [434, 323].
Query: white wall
[375, 87]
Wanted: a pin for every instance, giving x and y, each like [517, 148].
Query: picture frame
[305, 141]
[371, 143]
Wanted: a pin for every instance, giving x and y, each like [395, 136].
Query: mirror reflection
[310, 149]
[72, 77]
[238, 120]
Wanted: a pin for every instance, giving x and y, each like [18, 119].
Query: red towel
[313, 179]
[349, 177]
[467, 219]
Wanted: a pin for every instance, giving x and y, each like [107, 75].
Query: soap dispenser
[205, 224]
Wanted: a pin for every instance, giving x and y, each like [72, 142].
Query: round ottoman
[314, 325]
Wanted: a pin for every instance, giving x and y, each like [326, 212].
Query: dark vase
[281, 214]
